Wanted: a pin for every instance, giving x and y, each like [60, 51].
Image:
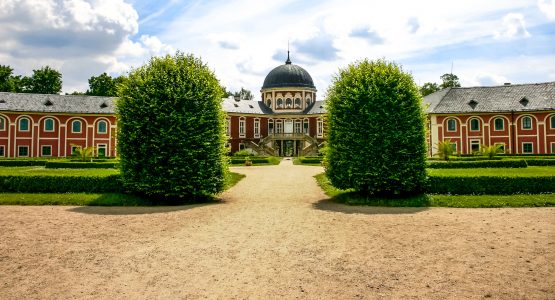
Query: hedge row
[500, 157]
[541, 162]
[492, 185]
[80, 165]
[513, 163]
[22, 162]
[61, 184]
[238, 160]
[310, 160]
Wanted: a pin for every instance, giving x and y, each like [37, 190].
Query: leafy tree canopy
[104, 85]
[449, 80]
[429, 88]
[44, 81]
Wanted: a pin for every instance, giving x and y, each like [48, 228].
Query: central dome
[288, 75]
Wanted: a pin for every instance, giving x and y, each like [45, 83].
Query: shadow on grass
[122, 204]
[354, 203]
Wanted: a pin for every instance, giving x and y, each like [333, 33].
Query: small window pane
[451, 125]
[46, 150]
[23, 151]
[2, 124]
[527, 123]
[101, 151]
[2, 153]
[102, 128]
[552, 122]
[24, 124]
[474, 125]
[527, 148]
[499, 124]
[49, 125]
[76, 126]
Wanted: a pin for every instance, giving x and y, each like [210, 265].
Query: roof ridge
[503, 86]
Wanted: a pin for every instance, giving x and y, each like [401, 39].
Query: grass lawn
[511, 172]
[81, 199]
[34, 171]
[272, 160]
[297, 161]
[469, 201]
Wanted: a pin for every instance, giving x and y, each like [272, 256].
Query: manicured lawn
[82, 199]
[34, 171]
[510, 172]
[469, 201]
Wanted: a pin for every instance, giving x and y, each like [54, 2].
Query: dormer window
[308, 101]
[297, 103]
[269, 103]
[103, 105]
[288, 103]
[524, 101]
[473, 103]
[47, 102]
[279, 102]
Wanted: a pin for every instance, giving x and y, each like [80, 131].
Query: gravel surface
[274, 235]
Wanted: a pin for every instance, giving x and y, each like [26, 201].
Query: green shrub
[21, 163]
[540, 162]
[243, 152]
[80, 165]
[492, 185]
[61, 184]
[515, 163]
[376, 123]
[242, 160]
[307, 160]
[171, 129]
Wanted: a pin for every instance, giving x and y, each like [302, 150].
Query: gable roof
[52, 103]
[505, 98]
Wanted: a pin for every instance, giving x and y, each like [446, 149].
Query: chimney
[507, 83]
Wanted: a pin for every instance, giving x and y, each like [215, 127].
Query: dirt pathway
[275, 236]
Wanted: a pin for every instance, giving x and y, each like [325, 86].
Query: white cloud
[513, 26]
[547, 7]
[488, 79]
[155, 47]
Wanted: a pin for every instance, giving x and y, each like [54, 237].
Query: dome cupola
[288, 75]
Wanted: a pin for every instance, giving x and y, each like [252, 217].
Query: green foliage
[376, 130]
[449, 80]
[507, 172]
[80, 165]
[104, 85]
[429, 88]
[514, 163]
[5, 78]
[171, 129]
[60, 184]
[243, 152]
[445, 150]
[491, 151]
[84, 154]
[45, 81]
[42, 171]
[244, 94]
[491, 185]
[21, 162]
[540, 162]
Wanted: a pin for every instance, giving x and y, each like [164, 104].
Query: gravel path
[276, 236]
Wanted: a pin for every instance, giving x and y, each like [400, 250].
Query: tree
[102, 85]
[44, 81]
[449, 80]
[84, 154]
[5, 78]
[445, 149]
[491, 151]
[244, 94]
[171, 137]
[429, 88]
[376, 130]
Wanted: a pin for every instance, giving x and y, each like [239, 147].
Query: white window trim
[470, 124]
[271, 131]
[502, 127]
[80, 126]
[522, 123]
[42, 150]
[98, 127]
[256, 127]
[19, 147]
[242, 133]
[4, 151]
[504, 146]
[105, 146]
[320, 128]
[552, 122]
[3, 123]
[447, 125]
[552, 147]
[44, 125]
[28, 125]
[525, 144]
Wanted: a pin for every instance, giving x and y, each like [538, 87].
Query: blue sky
[486, 42]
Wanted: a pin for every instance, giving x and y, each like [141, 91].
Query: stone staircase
[263, 147]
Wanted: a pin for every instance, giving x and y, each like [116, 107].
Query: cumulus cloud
[513, 26]
[368, 34]
[319, 47]
[547, 7]
[81, 38]
[413, 25]
[228, 45]
[488, 79]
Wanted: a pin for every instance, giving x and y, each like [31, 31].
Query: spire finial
[288, 61]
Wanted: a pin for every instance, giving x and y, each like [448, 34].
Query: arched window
[279, 102]
[308, 101]
[474, 125]
[102, 127]
[297, 102]
[499, 124]
[269, 102]
[288, 103]
[526, 123]
[553, 122]
[2, 124]
[451, 125]
[49, 125]
[76, 126]
[23, 124]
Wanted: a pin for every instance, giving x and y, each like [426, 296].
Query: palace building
[288, 120]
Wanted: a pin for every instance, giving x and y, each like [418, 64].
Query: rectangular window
[101, 150]
[499, 124]
[46, 150]
[451, 125]
[474, 125]
[74, 149]
[552, 122]
[242, 128]
[270, 127]
[241, 146]
[48, 125]
[23, 151]
[256, 128]
[474, 146]
[228, 127]
[24, 124]
[102, 127]
[298, 127]
[454, 146]
[501, 147]
[527, 148]
[2, 124]
[526, 123]
[320, 128]
[76, 127]
[305, 126]
[552, 148]
[279, 127]
[3, 152]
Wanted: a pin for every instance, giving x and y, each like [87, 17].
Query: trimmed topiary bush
[490, 185]
[376, 134]
[508, 163]
[171, 130]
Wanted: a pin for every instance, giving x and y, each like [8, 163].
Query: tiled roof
[56, 103]
[505, 98]
[230, 105]
[318, 107]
